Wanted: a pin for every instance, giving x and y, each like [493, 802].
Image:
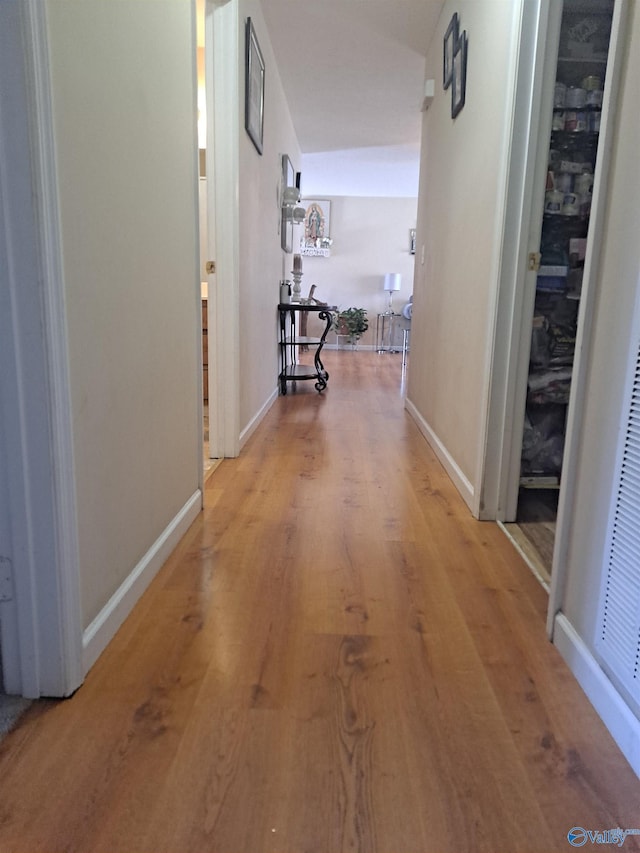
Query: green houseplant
[352, 322]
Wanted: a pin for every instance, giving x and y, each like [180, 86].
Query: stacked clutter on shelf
[572, 158]
[553, 344]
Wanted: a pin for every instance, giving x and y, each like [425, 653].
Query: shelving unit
[573, 148]
[293, 345]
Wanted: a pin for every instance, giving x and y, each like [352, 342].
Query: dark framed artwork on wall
[459, 76]
[450, 43]
[254, 88]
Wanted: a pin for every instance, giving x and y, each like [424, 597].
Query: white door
[223, 98]
[539, 159]
[534, 69]
[579, 388]
[208, 273]
[618, 635]
[536, 78]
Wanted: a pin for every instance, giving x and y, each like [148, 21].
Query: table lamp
[392, 281]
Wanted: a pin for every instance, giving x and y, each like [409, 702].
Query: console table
[293, 343]
[385, 331]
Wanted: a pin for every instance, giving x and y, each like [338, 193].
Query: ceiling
[352, 70]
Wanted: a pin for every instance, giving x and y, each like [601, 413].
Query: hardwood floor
[337, 657]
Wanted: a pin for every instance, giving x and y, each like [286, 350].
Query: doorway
[570, 147]
[207, 234]
[218, 306]
[526, 196]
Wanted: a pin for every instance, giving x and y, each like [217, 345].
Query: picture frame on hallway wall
[459, 76]
[450, 44]
[254, 88]
[316, 238]
[287, 179]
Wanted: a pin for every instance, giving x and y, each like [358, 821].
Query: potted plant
[352, 322]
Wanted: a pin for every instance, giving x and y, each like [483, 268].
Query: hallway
[337, 657]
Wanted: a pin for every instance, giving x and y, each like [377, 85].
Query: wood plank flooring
[337, 657]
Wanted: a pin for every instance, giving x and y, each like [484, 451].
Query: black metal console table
[293, 343]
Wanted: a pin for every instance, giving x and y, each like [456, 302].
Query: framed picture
[254, 88]
[450, 44]
[459, 76]
[286, 225]
[316, 239]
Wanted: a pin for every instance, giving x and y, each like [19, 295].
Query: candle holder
[296, 290]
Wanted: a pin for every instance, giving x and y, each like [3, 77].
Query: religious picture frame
[316, 237]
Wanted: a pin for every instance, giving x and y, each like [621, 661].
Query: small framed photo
[459, 76]
[450, 44]
[254, 88]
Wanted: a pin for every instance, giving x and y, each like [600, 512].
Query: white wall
[380, 171]
[370, 238]
[462, 184]
[262, 262]
[618, 287]
[123, 85]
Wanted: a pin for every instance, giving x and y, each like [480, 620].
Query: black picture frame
[254, 88]
[449, 47]
[286, 222]
[459, 76]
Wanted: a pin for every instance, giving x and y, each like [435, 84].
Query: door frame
[516, 285]
[222, 70]
[533, 110]
[579, 381]
[41, 618]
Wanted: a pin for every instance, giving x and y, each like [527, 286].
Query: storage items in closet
[577, 106]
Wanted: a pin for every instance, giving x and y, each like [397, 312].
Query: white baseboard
[253, 424]
[103, 628]
[622, 723]
[461, 483]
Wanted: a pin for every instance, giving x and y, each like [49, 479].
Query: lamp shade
[392, 281]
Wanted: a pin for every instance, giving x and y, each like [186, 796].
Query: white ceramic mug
[583, 183]
[570, 205]
[563, 181]
[553, 201]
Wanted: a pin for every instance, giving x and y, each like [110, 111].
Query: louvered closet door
[619, 635]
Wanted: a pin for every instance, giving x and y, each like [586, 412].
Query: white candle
[297, 263]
